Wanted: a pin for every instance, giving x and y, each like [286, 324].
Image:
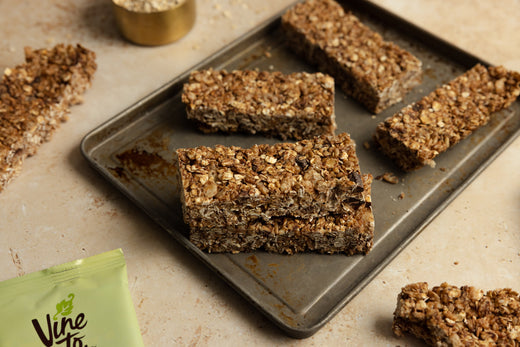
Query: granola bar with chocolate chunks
[348, 233]
[224, 186]
[35, 97]
[297, 106]
[447, 315]
[414, 136]
[375, 72]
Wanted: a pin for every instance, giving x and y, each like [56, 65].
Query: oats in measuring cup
[148, 6]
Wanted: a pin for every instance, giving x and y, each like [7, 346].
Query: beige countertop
[59, 209]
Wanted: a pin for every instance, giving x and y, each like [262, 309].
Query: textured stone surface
[474, 241]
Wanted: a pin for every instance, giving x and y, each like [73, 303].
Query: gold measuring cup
[156, 28]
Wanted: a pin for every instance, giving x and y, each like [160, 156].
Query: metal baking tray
[300, 293]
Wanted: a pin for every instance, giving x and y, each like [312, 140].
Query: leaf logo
[64, 307]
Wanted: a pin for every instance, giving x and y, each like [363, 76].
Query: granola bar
[230, 185]
[450, 316]
[375, 72]
[349, 233]
[414, 136]
[35, 97]
[298, 105]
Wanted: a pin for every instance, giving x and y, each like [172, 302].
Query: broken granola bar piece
[348, 233]
[224, 186]
[35, 97]
[297, 106]
[373, 71]
[451, 316]
[414, 136]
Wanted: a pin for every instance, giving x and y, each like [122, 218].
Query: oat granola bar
[224, 186]
[450, 316]
[35, 97]
[348, 233]
[373, 71]
[297, 106]
[414, 136]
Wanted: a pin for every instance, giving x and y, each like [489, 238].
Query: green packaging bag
[78, 304]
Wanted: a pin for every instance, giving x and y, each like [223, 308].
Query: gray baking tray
[300, 293]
